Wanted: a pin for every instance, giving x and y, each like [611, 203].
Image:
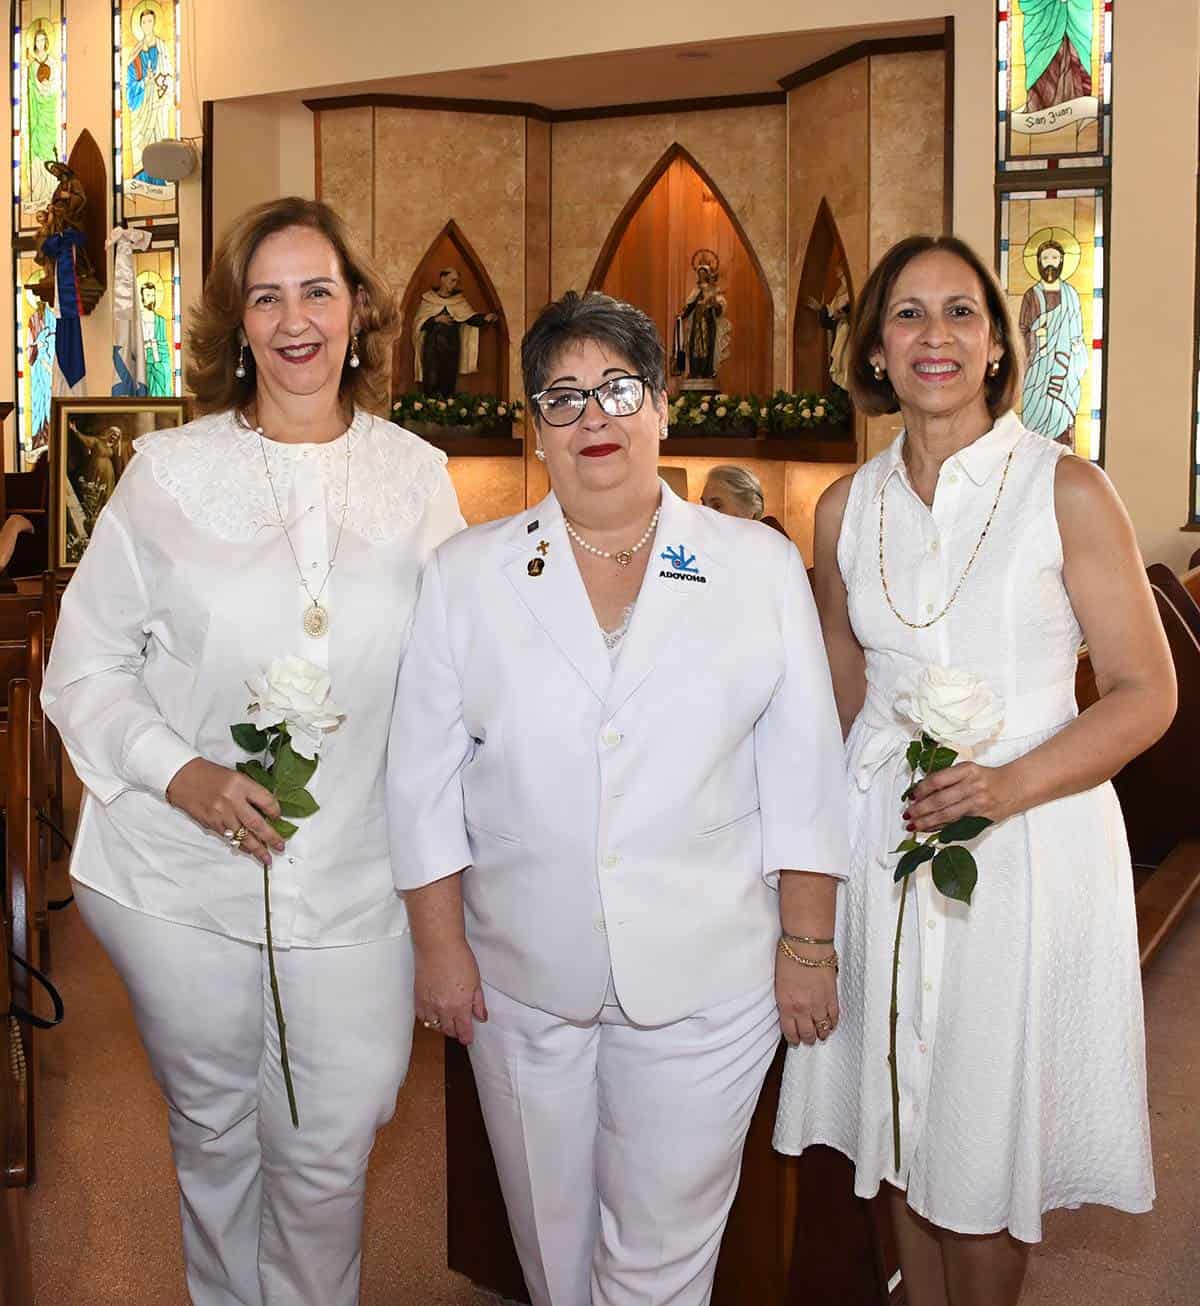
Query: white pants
[272, 1215]
[619, 1147]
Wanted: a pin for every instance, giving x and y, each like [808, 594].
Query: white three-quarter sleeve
[798, 750]
[94, 693]
[427, 748]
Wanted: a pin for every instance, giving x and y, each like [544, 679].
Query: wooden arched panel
[677, 210]
[825, 266]
[452, 249]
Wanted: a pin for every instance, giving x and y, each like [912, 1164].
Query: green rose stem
[954, 876]
[279, 768]
[893, 1012]
[280, 1023]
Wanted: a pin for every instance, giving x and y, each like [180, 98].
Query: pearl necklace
[316, 617]
[623, 557]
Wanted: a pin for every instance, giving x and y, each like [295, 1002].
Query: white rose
[697, 418]
[721, 399]
[806, 413]
[762, 412]
[744, 408]
[480, 411]
[952, 706]
[819, 410]
[704, 406]
[721, 411]
[296, 692]
[441, 403]
[501, 411]
[462, 412]
[418, 406]
[789, 408]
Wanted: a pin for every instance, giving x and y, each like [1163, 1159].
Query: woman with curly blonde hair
[286, 521]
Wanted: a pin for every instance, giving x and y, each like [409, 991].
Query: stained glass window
[1051, 265]
[35, 324]
[156, 276]
[39, 77]
[1054, 80]
[145, 104]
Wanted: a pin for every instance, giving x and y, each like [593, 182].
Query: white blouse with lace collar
[189, 587]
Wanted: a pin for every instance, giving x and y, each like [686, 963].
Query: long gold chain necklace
[316, 617]
[924, 625]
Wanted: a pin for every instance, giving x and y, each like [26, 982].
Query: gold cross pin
[543, 548]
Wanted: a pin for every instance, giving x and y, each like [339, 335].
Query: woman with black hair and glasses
[618, 818]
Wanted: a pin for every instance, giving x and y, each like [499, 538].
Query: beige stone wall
[599, 163]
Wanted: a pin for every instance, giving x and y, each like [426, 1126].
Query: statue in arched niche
[703, 332]
[446, 336]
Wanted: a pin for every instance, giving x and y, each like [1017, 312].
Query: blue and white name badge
[683, 565]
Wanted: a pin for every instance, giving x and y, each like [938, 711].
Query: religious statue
[149, 90]
[702, 331]
[69, 281]
[129, 359]
[1051, 321]
[41, 109]
[1058, 51]
[835, 318]
[446, 336]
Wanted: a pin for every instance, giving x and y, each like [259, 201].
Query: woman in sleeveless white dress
[1020, 1045]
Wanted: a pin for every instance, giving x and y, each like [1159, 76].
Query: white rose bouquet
[291, 713]
[953, 712]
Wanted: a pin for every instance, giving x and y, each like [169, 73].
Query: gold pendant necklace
[315, 621]
[623, 557]
[924, 625]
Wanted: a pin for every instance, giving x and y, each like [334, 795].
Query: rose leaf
[955, 873]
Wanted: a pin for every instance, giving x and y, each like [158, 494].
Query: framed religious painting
[1052, 266]
[1054, 82]
[91, 444]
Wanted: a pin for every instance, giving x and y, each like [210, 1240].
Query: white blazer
[630, 818]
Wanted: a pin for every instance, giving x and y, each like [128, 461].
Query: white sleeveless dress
[1020, 1041]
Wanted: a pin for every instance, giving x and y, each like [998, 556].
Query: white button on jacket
[730, 765]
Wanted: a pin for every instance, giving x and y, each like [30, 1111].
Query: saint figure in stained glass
[39, 361]
[149, 88]
[41, 109]
[1058, 51]
[1051, 321]
[155, 341]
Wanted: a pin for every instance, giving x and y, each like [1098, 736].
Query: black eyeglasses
[620, 396]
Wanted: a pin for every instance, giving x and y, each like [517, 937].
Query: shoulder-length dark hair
[215, 322]
[874, 397]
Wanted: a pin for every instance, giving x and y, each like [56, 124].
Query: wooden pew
[16, 1276]
[1190, 580]
[1157, 790]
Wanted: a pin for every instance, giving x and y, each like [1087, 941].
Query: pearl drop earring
[540, 455]
[879, 372]
[354, 359]
[240, 370]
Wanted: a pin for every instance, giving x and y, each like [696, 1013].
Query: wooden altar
[797, 1235]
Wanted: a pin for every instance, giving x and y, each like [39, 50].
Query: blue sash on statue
[68, 339]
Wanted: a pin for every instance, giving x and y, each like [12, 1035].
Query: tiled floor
[106, 1230]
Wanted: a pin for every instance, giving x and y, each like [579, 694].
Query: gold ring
[238, 836]
[435, 1023]
[824, 1026]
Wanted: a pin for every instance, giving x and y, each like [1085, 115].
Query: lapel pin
[533, 525]
[536, 566]
[543, 548]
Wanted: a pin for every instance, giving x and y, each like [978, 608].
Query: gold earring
[354, 359]
[240, 370]
[994, 367]
[540, 455]
[879, 372]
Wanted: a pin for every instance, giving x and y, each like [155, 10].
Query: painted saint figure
[446, 336]
[129, 361]
[40, 363]
[703, 333]
[1051, 322]
[41, 109]
[155, 349]
[1058, 51]
[149, 91]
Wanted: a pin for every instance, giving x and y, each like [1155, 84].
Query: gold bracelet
[803, 938]
[830, 962]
